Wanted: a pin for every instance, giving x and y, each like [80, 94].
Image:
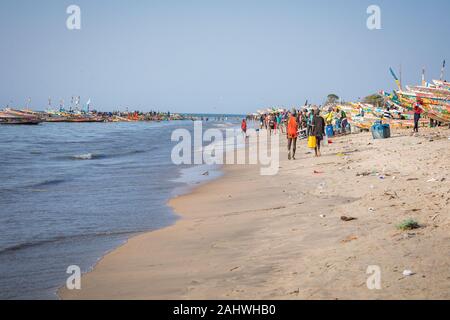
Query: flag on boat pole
[423, 77]
[88, 103]
[442, 71]
[396, 79]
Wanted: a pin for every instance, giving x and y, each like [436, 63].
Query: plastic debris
[407, 273]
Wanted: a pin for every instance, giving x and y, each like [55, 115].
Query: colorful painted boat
[437, 91]
[16, 117]
[423, 98]
[442, 84]
[433, 100]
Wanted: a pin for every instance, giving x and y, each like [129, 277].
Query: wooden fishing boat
[440, 92]
[13, 117]
[71, 117]
[442, 84]
[426, 98]
[11, 120]
[18, 121]
[84, 119]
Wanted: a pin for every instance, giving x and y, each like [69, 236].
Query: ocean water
[71, 192]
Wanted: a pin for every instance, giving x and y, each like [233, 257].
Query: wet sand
[247, 236]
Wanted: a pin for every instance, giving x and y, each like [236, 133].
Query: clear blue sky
[214, 56]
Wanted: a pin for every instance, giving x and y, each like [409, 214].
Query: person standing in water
[292, 134]
[318, 130]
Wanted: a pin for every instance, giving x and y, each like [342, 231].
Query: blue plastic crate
[381, 131]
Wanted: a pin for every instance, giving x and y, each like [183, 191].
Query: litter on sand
[349, 239]
[345, 218]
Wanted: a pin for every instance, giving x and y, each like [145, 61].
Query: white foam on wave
[86, 156]
[228, 143]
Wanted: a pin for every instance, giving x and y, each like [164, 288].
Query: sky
[214, 56]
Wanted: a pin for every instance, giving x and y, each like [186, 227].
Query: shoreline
[177, 192]
[188, 179]
[248, 236]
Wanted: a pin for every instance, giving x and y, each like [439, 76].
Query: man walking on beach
[310, 117]
[244, 127]
[417, 113]
[318, 130]
[292, 134]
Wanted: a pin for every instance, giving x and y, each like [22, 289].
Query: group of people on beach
[309, 122]
[305, 123]
[274, 123]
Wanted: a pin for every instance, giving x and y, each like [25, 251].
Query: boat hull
[22, 122]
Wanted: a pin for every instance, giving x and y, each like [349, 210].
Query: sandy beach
[247, 236]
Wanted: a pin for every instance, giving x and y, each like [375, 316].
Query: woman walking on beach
[417, 114]
[318, 130]
[292, 134]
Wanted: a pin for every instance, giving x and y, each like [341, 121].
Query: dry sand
[247, 236]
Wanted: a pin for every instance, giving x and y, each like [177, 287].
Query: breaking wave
[28, 244]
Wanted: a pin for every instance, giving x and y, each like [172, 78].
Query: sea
[72, 192]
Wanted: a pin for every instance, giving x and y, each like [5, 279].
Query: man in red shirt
[292, 134]
[244, 127]
[417, 112]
